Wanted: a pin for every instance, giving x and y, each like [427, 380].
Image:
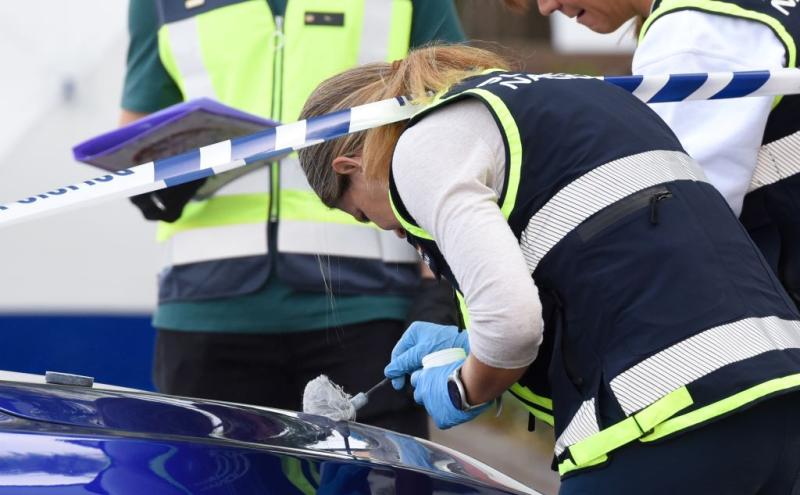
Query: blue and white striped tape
[709, 86]
[208, 160]
[227, 155]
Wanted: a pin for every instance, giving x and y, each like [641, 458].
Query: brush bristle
[324, 398]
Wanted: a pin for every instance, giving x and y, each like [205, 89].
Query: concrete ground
[505, 444]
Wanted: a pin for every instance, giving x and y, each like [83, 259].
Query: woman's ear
[345, 165]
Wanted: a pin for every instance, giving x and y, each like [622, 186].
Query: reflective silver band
[292, 175]
[375, 31]
[599, 189]
[298, 237]
[354, 241]
[776, 161]
[215, 243]
[697, 356]
[255, 178]
[188, 56]
[396, 250]
[581, 426]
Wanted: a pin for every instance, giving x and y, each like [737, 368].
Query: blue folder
[169, 132]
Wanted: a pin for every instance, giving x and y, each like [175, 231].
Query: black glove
[435, 302]
[167, 204]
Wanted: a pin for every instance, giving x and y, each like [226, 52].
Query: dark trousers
[273, 369]
[752, 452]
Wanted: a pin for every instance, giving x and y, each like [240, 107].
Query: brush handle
[360, 399]
[377, 386]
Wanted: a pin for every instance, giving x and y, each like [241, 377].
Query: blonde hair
[424, 71]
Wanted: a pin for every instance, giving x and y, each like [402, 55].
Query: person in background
[591, 254]
[748, 147]
[266, 288]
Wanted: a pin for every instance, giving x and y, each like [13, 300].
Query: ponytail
[423, 73]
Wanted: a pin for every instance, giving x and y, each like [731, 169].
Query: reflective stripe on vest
[206, 233]
[654, 390]
[593, 449]
[590, 193]
[256, 180]
[768, 171]
[699, 355]
[777, 160]
[374, 31]
[196, 83]
[221, 242]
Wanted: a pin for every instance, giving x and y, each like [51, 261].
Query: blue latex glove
[430, 390]
[420, 339]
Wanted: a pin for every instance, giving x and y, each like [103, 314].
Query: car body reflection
[62, 439]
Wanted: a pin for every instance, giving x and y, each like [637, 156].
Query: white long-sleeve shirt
[724, 136]
[449, 170]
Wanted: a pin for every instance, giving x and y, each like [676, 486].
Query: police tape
[709, 86]
[272, 143]
[208, 160]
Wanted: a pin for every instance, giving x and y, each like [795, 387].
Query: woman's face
[601, 16]
[366, 200]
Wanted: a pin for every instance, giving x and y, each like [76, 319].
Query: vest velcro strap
[629, 429]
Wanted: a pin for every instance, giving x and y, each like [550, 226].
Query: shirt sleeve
[148, 87]
[448, 170]
[435, 20]
[724, 136]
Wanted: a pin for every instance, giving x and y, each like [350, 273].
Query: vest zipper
[277, 111]
[654, 199]
[617, 211]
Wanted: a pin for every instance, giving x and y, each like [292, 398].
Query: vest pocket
[561, 347]
[607, 217]
[571, 382]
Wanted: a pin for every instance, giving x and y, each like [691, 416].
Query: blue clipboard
[168, 132]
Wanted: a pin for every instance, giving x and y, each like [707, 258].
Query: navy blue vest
[630, 249]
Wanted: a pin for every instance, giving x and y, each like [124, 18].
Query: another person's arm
[148, 87]
[724, 136]
[435, 21]
[447, 169]
[127, 117]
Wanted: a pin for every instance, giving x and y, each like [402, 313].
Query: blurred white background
[63, 64]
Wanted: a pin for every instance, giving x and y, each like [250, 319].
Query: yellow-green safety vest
[241, 54]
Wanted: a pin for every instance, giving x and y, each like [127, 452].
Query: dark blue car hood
[143, 415]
